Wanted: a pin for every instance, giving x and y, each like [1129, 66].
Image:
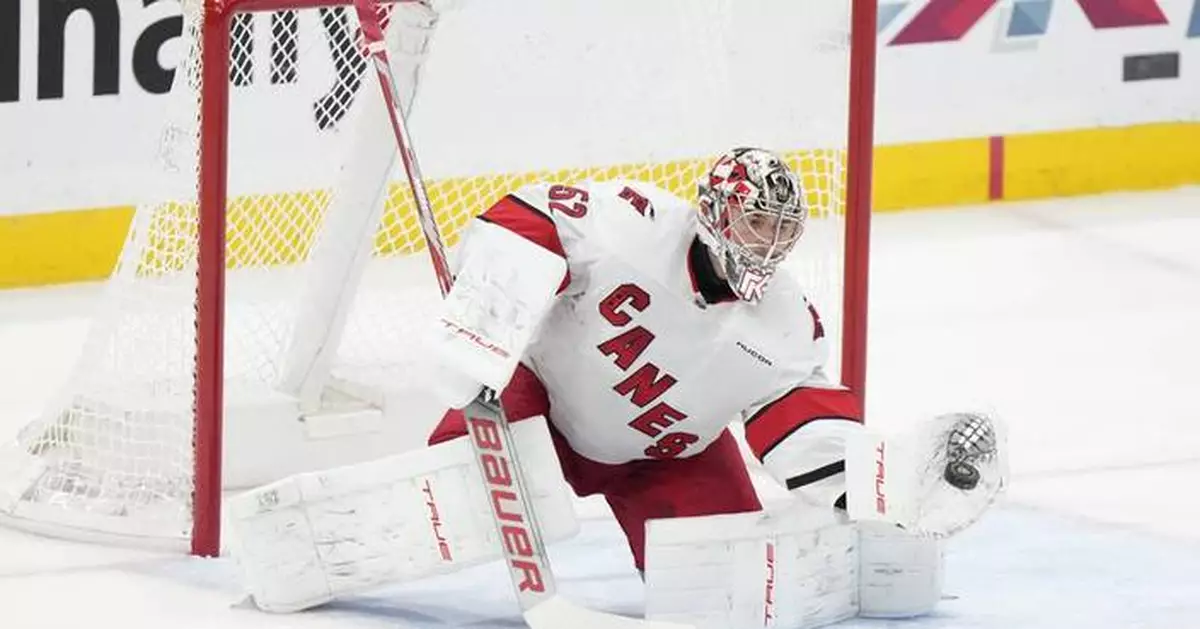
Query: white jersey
[636, 364]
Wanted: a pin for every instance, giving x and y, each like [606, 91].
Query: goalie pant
[714, 481]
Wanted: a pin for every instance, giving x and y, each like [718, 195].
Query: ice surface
[1076, 320]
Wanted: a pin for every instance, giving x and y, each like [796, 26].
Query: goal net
[275, 134]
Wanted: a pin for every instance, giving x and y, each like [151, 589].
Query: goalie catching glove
[934, 480]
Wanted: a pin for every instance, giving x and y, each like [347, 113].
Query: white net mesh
[558, 90]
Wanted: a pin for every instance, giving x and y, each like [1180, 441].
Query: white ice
[1076, 320]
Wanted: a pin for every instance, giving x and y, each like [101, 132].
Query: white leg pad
[900, 574]
[310, 538]
[751, 570]
[782, 569]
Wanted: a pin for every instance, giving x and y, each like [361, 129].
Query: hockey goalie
[624, 330]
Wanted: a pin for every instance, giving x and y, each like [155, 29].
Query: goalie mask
[752, 213]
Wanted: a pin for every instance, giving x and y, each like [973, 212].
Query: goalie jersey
[646, 354]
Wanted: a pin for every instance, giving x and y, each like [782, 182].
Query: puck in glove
[962, 475]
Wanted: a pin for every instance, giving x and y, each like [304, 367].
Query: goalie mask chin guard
[752, 213]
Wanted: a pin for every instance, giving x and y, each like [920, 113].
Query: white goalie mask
[752, 213]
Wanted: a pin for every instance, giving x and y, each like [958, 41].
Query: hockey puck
[962, 475]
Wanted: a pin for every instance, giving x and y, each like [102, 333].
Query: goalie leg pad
[900, 574]
[751, 570]
[310, 538]
[799, 568]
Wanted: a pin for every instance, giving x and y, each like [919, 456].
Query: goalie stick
[489, 435]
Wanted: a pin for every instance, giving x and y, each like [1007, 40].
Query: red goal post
[97, 461]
